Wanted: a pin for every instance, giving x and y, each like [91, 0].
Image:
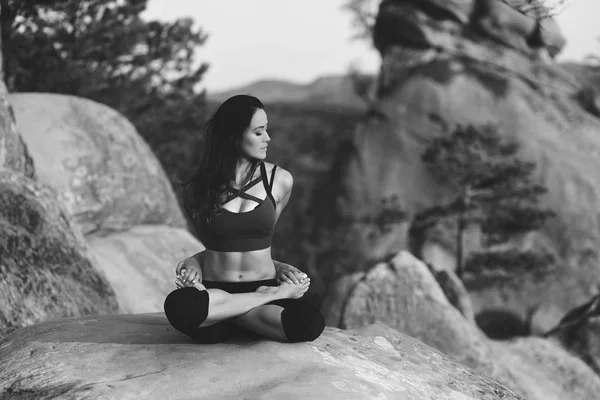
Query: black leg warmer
[186, 308]
[301, 321]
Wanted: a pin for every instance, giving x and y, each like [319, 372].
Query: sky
[300, 40]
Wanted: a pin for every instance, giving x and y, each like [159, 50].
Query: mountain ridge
[338, 90]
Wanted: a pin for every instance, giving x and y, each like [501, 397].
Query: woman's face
[255, 140]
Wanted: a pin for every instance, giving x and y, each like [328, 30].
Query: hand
[189, 271]
[289, 274]
[196, 284]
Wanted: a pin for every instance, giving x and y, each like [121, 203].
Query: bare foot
[286, 290]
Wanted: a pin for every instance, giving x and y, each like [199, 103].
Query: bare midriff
[234, 266]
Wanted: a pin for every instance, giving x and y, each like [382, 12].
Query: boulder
[140, 263]
[143, 356]
[579, 332]
[13, 152]
[106, 176]
[46, 267]
[404, 295]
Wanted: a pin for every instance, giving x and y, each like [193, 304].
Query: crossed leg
[207, 315]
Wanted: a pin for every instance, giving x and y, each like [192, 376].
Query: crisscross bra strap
[268, 186]
[233, 192]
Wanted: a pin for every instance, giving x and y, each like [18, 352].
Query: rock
[143, 356]
[105, 174]
[458, 9]
[140, 263]
[455, 292]
[337, 297]
[533, 362]
[579, 332]
[46, 268]
[545, 370]
[504, 24]
[458, 76]
[589, 99]
[13, 152]
[404, 295]
[548, 34]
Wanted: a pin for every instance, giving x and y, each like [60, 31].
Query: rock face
[404, 295]
[142, 355]
[476, 62]
[45, 265]
[105, 174]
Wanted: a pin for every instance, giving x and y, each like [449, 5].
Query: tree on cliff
[493, 189]
[103, 50]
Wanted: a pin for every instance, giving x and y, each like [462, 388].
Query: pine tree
[105, 51]
[493, 187]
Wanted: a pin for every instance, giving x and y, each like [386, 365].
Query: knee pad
[186, 308]
[301, 321]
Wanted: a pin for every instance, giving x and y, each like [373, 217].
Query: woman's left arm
[284, 182]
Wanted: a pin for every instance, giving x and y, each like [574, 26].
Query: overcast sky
[300, 40]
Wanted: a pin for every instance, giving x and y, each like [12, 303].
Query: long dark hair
[206, 189]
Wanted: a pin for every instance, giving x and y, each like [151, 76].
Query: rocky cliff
[477, 62]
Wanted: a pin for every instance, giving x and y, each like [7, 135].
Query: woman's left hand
[289, 274]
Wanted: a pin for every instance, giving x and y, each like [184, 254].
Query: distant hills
[328, 90]
[337, 90]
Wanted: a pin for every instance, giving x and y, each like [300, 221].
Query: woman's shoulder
[283, 178]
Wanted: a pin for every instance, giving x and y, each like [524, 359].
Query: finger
[293, 277]
[194, 277]
[289, 278]
[179, 266]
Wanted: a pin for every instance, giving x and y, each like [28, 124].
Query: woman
[234, 286]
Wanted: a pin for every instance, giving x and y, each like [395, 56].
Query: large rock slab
[133, 356]
[104, 173]
[46, 268]
[140, 263]
[404, 295]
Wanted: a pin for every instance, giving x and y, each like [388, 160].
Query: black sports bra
[245, 231]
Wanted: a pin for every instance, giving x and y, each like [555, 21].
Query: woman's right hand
[189, 271]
